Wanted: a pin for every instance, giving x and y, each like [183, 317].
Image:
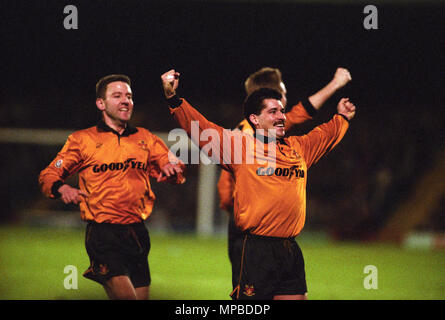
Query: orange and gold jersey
[270, 194]
[113, 169]
[298, 114]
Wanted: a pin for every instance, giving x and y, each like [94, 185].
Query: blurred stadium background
[377, 199]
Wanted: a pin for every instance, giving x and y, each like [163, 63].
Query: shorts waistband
[268, 237]
[116, 225]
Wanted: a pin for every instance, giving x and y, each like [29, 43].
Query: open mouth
[124, 109]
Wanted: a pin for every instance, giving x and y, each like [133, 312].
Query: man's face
[271, 118]
[117, 107]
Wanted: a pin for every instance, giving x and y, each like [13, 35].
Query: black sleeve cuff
[309, 107]
[174, 101]
[343, 116]
[55, 188]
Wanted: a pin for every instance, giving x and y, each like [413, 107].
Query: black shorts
[264, 267]
[116, 249]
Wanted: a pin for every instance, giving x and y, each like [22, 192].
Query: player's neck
[118, 126]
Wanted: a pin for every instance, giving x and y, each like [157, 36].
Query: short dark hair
[266, 77]
[254, 102]
[101, 85]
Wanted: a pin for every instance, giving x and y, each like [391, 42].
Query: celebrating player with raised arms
[269, 208]
[302, 112]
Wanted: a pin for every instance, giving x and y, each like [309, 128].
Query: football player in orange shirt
[270, 193]
[114, 161]
[303, 111]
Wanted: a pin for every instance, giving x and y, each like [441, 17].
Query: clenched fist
[341, 77]
[346, 108]
[170, 82]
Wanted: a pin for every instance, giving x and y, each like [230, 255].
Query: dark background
[49, 74]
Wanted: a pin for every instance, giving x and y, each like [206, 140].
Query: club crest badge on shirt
[249, 290]
[103, 269]
[143, 145]
[58, 163]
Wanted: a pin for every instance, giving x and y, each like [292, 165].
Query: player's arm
[207, 135]
[305, 110]
[340, 79]
[325, 137]
[164, 166]
[299, 113]
[52, 178]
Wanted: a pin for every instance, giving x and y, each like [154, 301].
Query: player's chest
[282, 164]
[119, 150]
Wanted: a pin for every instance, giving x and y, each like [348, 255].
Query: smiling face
[117, 106]
[271, 119]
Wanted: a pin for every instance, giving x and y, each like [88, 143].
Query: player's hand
[171, 171]
[341, 77]
[170, 82]
[346, 108]
[69, 194]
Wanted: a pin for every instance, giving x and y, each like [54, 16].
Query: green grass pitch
[183, 267]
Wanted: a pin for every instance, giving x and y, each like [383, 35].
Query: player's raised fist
[346, 108]
[170, 82]
[341, 77]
